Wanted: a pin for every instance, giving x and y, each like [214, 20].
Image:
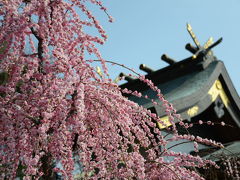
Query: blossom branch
[40, 49]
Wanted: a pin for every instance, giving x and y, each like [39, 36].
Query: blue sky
[144, 30]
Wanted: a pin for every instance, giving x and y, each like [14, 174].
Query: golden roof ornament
[201, 51]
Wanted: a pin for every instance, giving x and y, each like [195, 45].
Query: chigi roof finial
[200, 51]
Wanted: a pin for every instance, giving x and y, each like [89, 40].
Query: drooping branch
[40, 49]
[47, 167]
[111, 124]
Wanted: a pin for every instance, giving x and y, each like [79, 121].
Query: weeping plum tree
[55, 108]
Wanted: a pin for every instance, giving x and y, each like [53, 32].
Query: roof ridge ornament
[200, 51]
[193, 36]
[146, 69]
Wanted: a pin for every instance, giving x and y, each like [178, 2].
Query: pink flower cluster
[54, 106]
